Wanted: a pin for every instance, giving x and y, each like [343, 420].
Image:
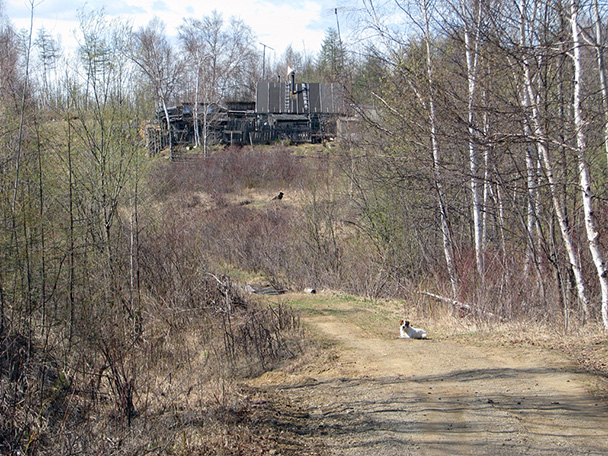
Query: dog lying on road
[409, 332]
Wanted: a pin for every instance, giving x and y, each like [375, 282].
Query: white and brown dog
[409, 332]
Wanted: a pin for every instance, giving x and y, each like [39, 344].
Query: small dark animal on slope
[279, 196]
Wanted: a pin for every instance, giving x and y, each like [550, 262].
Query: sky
[277, 23]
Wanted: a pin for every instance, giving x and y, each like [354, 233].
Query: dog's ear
[400, 322]
[407, 323]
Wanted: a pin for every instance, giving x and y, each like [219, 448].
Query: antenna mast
[341, 50]
[338, 24]
[264, 61]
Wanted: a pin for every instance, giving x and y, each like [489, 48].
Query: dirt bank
[373, 393]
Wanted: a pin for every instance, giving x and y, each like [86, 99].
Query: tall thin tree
[593, 236]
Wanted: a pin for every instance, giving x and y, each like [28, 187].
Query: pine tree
[330, 62]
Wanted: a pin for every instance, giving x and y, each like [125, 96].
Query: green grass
[378, 317]
[239, 275]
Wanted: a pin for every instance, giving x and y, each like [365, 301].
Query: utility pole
[264, 60]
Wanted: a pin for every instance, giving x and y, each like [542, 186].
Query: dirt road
[372, 393]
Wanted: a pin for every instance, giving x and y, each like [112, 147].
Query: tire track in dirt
[380, 395]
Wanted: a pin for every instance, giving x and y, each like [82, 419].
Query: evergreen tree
[330, 62]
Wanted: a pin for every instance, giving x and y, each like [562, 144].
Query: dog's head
[404, 324]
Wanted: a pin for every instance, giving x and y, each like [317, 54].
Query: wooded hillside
[475, 175]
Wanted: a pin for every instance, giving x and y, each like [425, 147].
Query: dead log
[460, 305]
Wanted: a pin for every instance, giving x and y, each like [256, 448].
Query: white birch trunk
[601, 67]
[531, 105]
[501, 217]
[166, 111]
[197, 132]
[584, 174]
[445, 227]
[531, 184]
[205, 115]
[486, 178]
[532, 172]
[472, 58]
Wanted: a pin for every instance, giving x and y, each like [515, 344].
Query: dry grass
[586, 345]
[175, 391]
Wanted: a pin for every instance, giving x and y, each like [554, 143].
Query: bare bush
[228, 171]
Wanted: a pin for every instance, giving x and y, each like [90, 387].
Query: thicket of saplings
[131, 342]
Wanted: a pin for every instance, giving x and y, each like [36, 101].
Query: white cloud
[277, 23]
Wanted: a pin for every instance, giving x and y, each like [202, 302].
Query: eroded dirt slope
[375, 394]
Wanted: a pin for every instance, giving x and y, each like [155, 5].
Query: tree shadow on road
[445, 414]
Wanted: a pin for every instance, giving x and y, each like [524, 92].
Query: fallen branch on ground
[459, 305]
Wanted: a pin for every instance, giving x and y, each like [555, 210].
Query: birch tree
[441, 197]
[532, 101]
[601, 67]
[158, 62]
[190, 35]
[221, 54]
[583, 167]
[420, 14]
[471, 16]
